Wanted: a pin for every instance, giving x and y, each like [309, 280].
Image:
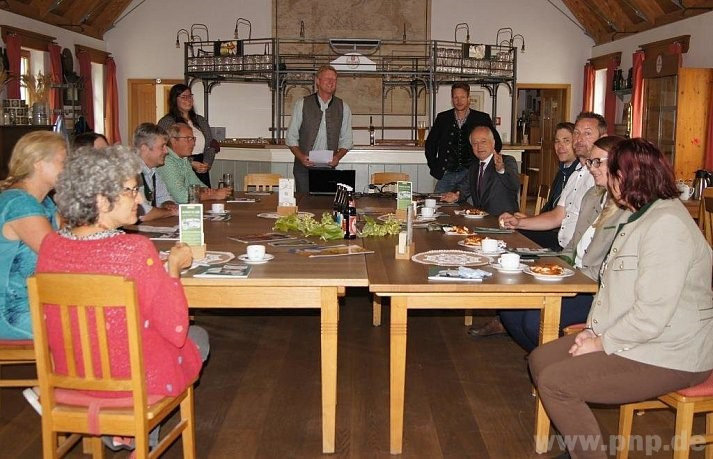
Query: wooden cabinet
[676, 114]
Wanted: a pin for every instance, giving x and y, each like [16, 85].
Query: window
[98, 95]
[25, 69]
[600, 90]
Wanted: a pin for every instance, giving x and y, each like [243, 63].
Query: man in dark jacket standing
[448, 151]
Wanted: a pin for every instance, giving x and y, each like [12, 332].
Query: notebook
[324, 181]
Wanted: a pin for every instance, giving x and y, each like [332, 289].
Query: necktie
[480, 178]
[150, 192]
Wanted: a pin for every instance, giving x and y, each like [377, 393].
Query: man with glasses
[587, 129]
[150, 143]
[177, 173]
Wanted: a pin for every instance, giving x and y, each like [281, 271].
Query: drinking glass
[228, 182]
[421, 131]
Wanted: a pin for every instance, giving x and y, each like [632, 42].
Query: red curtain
[637, 95]
[85, 71]
[55, 52]
[588, 88]
[709, 137]
[12, 41]
[610, 96]
[111, 102]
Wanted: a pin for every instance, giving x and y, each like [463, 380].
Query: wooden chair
[543, 194]
[705, 218]
[261, 182]
[524, 182]
[80, 303]
[17, 352]
[686, 403]
[381, 178]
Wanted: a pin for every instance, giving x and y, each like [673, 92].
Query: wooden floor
[259, 396]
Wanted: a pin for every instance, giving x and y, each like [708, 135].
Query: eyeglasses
[186, 97]
[133, 191]
[187, 137]
[595, 163]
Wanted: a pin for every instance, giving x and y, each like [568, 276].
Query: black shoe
[494, 327]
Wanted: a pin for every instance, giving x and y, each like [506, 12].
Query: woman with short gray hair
[97, 194]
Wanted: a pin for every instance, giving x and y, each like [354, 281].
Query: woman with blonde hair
[27, 215]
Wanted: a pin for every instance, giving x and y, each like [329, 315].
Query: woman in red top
[96, 194]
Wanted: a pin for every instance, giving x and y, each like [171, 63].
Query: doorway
[148, 100]
[542, 106]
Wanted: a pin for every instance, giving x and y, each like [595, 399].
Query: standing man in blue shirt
[320, 121]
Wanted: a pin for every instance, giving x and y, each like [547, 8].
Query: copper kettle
[701, 181]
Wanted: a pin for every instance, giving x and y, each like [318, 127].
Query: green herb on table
[326, 229]
[373, 228]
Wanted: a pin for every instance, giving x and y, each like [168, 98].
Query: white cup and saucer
[255, 255]
[430, 203]
[217, 208]
[509, 263]
[428, 212]
[491, 247]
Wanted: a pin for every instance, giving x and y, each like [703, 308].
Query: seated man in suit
[494, 181]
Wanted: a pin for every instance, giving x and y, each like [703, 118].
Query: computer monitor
[324, 181]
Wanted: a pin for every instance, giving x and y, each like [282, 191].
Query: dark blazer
[500, 191]
[447, 144]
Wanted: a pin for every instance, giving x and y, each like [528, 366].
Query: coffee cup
[256, 252]
[509, 261]
[429, 203]
[428, 212]
[685, 191]
[218, 208]
[490, 245]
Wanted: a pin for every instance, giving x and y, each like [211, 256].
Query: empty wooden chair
[543, 194]
[524, 181]
[261, 182]
[380, 178]
[81, 303]
[686, 403]
[16, 352]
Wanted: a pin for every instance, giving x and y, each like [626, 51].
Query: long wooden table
[407, 284]
[288, 281]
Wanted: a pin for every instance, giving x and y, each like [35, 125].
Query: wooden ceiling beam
[80, 8]
[613, 11]
[648, 8]
[105, 18]
[698, 4]
[589, 21]
[18, 7]
[43, 7]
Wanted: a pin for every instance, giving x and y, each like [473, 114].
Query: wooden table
[407, 284]
[288, 281]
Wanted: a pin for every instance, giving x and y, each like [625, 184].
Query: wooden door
[552, 103]
[142, 100]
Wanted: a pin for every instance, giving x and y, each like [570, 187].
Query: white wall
[700, 28]
[64, 38]
[555, 50]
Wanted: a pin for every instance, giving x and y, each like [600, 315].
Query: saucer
[244, 258]
[211, 212]
[508, 271]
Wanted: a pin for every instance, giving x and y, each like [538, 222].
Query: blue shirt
[17, 262]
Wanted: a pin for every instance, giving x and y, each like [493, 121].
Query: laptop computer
[324, 181]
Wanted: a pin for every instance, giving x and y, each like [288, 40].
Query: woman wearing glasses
[27, 215]
[595, 230]
[650, 330]
[180, 110]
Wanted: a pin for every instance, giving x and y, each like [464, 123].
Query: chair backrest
[706, 215]
[262, 182]
[80, 304]
[15, 352]
[380, 178]
[543, 194]
[524, 181]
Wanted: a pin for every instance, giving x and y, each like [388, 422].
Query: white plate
[210, 212]
[545, 277]
[475, 216]
[509, 271]
[244, 258]
[448, 230]
[416, 220]
[479, 251]
[466, 215]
